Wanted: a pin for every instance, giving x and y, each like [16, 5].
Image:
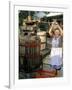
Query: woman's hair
[53, 31]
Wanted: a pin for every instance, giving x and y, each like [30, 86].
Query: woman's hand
[54, 24]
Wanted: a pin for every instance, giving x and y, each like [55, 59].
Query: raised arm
[61, 31]
[50, 30]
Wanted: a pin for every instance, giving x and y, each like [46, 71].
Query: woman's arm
[61, 31]
[50, 30]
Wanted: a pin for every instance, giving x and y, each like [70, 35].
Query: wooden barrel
[42, 36]
[32, 53]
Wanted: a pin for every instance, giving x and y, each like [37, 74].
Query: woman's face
[57, 33]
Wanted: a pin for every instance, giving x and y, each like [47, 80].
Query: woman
[56, 33]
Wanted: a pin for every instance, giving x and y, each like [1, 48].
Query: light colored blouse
[55, 42]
